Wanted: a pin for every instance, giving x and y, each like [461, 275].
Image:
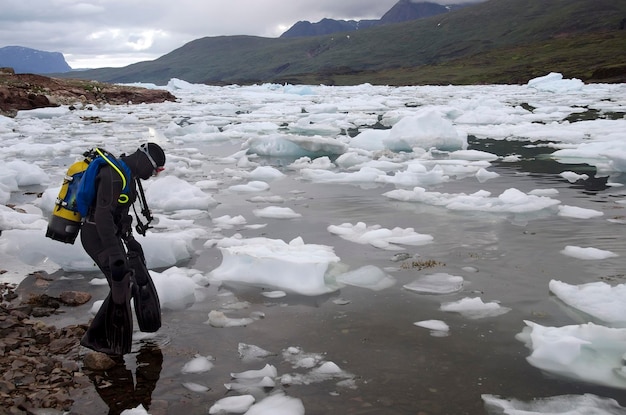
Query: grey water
[398, 368]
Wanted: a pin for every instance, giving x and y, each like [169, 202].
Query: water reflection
[117, 388]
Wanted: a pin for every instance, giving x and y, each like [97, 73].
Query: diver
[106, 235]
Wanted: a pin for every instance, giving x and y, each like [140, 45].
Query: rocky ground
[29, 91]
[40, 365]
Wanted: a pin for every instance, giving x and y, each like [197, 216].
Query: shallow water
[398, 368]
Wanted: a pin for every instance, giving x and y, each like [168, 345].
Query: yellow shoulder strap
[113, 165]
[123, 198]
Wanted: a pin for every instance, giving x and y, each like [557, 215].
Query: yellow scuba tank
[65, 221]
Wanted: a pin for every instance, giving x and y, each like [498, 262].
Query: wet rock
[98, 361]
[74, 298]
[43, 301]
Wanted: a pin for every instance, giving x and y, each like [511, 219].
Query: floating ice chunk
[544, 192]
[265, 173]
[195, 387]
[415, 175]
[322, 163]
[232, 404]
[250, 352]
[30, 247]
[274, 294]
[436, 325]
[428, 129]
[475, 308]
[554, 82]
[219, 319]
[253, 186]
[585, 352]
[169, 193]
[294, 145]
[19, 219]
[276, 212]
[439, 283]
[473, 155]
[577, 212]
[251, 385]
[228, 222]
[291, 267]
[298, 358]
[267, 370]
[598, 299]
[372, 140]
[368, 276]
[483, 175]
[176, 287]
[198, 364]
[22, 174]
[367, 175]
[328, 368]
[588, 253]
[236, 305]
[277, 404]
[512, 158]
[139, 410]
[555, 405]
[509, 201]
[321, 370]
[378, 236]
[573, 177]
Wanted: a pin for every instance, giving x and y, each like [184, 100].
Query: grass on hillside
[585, 57]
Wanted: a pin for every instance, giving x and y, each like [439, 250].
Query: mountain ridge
[479, 37]
[27, 60]
[402, 11]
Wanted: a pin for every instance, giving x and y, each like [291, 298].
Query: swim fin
[95, 336]
[118, 316]
[145, 296]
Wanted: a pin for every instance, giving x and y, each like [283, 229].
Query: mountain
[326, 27]
[402, 11]
[405, 10]
[497, 41]
[26, 60]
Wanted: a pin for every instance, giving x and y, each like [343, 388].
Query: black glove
[133, 246]
[118, 266]
[126, 226]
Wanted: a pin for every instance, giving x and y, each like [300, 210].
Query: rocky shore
[41, 365]
[29, 91]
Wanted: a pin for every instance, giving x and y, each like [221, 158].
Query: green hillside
[498, 41]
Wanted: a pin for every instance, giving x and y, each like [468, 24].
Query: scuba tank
[65, 221]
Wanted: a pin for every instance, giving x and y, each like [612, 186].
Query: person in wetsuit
[104, 234]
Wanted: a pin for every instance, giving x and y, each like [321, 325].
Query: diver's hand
[118, 266]
[133, 246]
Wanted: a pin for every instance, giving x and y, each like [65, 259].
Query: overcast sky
[100, 33]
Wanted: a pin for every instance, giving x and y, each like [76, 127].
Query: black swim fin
[95, 337]
[118, 316]
[145, 296]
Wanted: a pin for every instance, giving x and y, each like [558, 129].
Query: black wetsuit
[108, 222]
